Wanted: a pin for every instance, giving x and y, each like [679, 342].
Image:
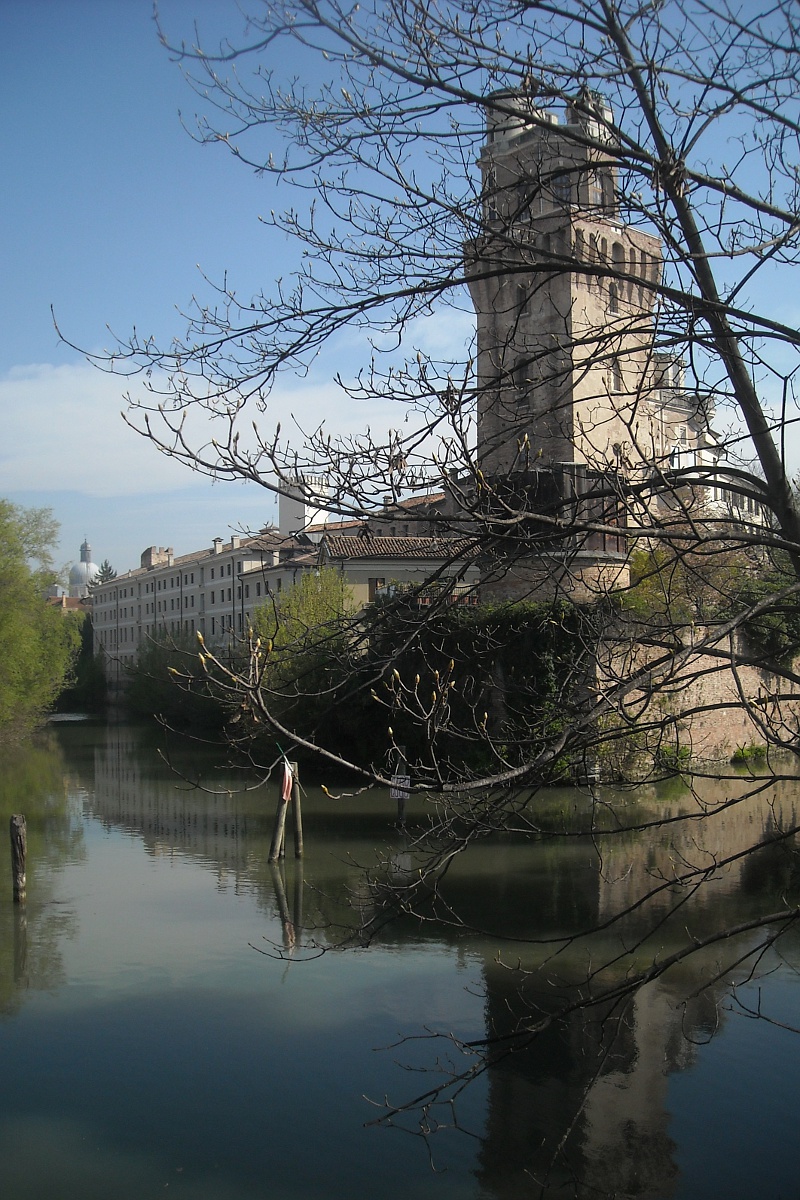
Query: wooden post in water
[276, 850]
[296, 812]
[19, 849]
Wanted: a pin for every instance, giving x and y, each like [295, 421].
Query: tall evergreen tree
[105, 573]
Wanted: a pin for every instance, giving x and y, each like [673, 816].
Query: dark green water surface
[147, 1048]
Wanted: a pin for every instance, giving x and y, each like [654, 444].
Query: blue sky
[109, 213]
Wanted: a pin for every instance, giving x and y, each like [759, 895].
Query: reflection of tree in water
[33, 782]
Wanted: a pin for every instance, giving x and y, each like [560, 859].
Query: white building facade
[178, 597]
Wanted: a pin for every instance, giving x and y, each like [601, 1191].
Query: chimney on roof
[218, 545]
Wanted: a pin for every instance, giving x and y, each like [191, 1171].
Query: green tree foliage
[38, 646]
[675, 586]
[772, 630]
[87, 688]
[306, 616]
[469, 689]
[307, 640]
[310, 643]
[482, 688]
[169, 684]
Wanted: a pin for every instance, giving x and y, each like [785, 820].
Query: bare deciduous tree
[613, 189]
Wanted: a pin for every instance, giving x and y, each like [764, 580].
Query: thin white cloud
[445, 335]
[61, 429]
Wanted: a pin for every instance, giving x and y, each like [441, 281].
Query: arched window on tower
[613, 299]
[617, 382]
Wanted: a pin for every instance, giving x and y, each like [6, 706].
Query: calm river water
[146, 1044]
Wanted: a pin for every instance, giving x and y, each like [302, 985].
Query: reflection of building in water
[587, 1099]
[227, 826]
[713, 830]
[583, 1107]
[584, 1110]
[172, 814]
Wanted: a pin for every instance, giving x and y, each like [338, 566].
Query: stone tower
[573, 400]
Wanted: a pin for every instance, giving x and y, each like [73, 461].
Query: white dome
[83, 573]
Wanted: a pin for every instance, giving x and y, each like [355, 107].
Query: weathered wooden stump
[19, 850]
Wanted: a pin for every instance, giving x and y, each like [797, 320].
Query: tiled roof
[267, 540]
[70, 602]
[335, 526]
[304, 558]
[414, 501]
[344, 546]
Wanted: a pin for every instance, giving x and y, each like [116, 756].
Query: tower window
[562, 188]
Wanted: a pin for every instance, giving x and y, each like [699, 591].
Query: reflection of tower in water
[585, 1104]
[581, 1108]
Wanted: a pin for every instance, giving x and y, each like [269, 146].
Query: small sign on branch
[400, 787]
